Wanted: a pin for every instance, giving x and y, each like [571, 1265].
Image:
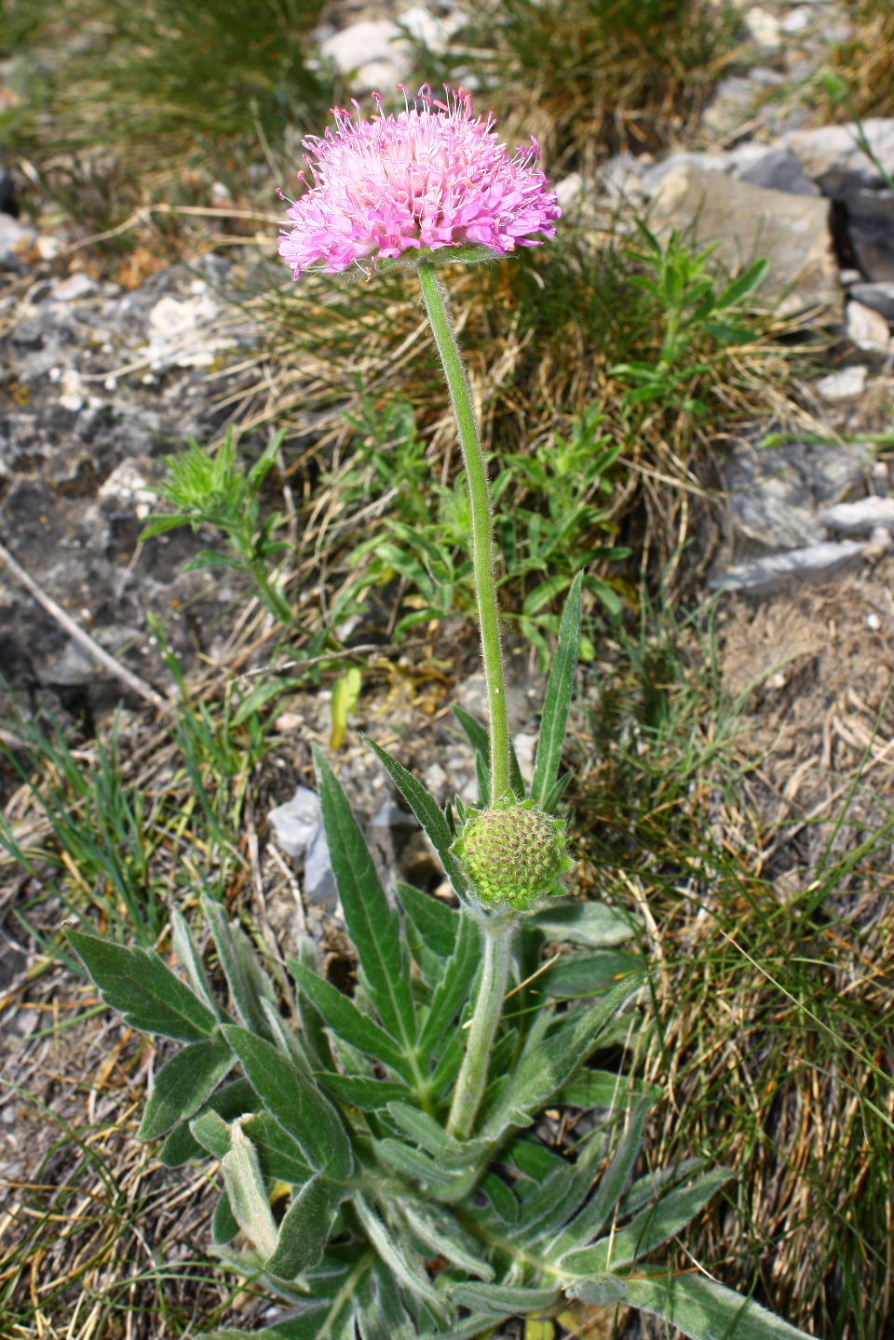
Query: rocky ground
[103, 377]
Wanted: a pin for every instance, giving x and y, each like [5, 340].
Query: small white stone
[873, 621]
[867, 328]
[843, 385]
[763, 27]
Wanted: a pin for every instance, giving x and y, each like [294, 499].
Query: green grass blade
[558, 698]
[373, 925]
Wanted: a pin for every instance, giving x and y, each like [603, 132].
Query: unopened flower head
[431, 177]
[514, 854]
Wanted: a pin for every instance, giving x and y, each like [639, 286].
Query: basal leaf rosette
[432, 182]
[514, 854]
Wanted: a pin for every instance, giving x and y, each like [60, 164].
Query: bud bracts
[514, 854]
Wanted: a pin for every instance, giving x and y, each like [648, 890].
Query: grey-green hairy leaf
[304, 1231]
[247, 982]
[546, 1067]
[294, 1100]
[428, 812]
[556, 705]
[503, 1300]
[343, 1016]
[183, 1084]
[373, 925]
[705, 1310]
[591, 923]
[651, 1227]
[137, 982]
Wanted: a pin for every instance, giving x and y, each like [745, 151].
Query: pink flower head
[433, 176]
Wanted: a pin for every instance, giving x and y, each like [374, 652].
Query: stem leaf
[295, 1102]
[373, 925]
[558, 699]
[706, 1310]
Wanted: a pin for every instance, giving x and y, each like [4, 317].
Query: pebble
[867, 328]
[814, 562]
[295, 823]
[861, 517]
[844, 385]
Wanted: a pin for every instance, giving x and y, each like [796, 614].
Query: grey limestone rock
[746, 222]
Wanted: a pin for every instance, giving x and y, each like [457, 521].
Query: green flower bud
[514, 854]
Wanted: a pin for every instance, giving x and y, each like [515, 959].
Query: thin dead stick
[74, 630]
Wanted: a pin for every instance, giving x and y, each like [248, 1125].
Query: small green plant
[549, 506]
[213, 488]
[104, 832]
[838, 92]
[420, 1201]
[691, 312]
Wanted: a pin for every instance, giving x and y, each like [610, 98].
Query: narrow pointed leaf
[187, 952]
[705, 1310]
[436, 922]
[557, 703]
[410, 1273]
[373, 925]
[503, 1300]
[183, 1084]
[344, 1018]
[428, 812]
[650, 1228]
[412, 1163]
[612, 1184]
[553, 1061]
[478, 738]
[366, 1092]
[454, 988]
[298, 1105]
[247, 982]
[138, 984]
[443, 1236]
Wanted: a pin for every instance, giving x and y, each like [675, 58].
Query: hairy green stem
[482, 542]
[472, 1079]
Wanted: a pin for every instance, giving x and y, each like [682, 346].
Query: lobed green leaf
[138, 984]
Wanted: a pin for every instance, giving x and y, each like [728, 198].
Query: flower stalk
[472, 1079]
[482, 540]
